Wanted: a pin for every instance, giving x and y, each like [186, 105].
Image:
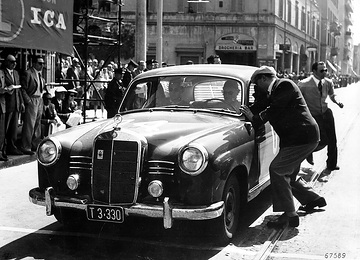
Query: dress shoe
[28, 152]
[320, 202]
[310, 159]
[283, 220]
[333, 168]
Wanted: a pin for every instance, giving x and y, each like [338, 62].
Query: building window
[313, 27]
[303, 19]
[289, 12]
[297, 16]
[221, 4]
[237, 5]
[281, 9]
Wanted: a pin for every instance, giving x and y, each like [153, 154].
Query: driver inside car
[230, 93]
[176, 91]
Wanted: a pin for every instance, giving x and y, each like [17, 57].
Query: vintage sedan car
[176, 156]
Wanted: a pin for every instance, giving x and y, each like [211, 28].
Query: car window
[180, 91]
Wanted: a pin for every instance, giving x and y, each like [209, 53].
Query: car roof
[225, 70]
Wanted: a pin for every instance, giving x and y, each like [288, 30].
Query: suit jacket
[29, 84]
[315, 100]
[289, 115]
[113, 94]
[14, 100]
[2, 93]
[60, 109]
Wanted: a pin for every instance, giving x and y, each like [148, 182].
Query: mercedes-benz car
[188, 155]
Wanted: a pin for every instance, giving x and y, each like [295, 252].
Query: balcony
[349, 5]
[334, 51]
[348, 19]
[348, 34]
[335, 28]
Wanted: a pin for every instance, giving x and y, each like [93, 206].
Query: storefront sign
[235, 42]
[37, 24]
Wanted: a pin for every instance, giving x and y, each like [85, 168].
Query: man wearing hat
[58, 101]
[32, 86]
[290, 117]
[114, 94]
[14, 105]
[129, 73]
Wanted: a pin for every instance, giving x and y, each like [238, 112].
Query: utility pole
[159, 44]
[140, 27]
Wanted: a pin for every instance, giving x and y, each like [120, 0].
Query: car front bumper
[167, 211]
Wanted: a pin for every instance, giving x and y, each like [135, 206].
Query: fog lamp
[73, 181]
[155, 188]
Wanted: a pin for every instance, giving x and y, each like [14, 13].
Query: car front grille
[115, 171]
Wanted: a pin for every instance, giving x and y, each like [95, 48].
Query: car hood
[164, 131]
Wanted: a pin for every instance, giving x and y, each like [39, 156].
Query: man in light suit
[14, 105]
[315, 90]
[33, 86]
[3, 91]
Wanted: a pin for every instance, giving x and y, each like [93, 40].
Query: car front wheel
[229, 220]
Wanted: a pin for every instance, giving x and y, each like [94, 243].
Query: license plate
[105, 213]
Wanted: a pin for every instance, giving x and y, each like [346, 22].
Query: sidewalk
[15, 160]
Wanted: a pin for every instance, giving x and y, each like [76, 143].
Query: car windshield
[200, 92]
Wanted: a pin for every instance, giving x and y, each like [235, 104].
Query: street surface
[332, 232]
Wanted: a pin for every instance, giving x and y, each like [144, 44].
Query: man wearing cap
[315, 90]
[290, 117]
[14, 105]
[32, 86]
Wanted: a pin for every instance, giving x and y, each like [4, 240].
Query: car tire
[228, 222]
[72, 219]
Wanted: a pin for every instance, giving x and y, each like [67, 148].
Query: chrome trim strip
[158, 161]
[166, 211]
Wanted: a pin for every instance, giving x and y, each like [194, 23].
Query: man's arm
[332, 94]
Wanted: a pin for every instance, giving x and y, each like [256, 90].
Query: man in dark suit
[290, 117]
[114, 94]
[33, 86]
[58, 101]
[14, 105]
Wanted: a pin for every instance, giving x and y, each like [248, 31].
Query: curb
[15, 160]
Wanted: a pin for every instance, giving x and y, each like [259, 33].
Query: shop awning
[332, 67]
[34, 24]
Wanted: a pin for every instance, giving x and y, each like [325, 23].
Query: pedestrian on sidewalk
[114, 94]
[3, 91]
[315, 89]
[32, 86]
[14, 105]
[299, 135]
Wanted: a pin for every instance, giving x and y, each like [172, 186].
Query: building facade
[287, 34]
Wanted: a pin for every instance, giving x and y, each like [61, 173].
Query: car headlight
[193, 159]
[49, 151]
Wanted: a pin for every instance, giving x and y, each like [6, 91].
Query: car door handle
[260, 138]
[248, 127]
